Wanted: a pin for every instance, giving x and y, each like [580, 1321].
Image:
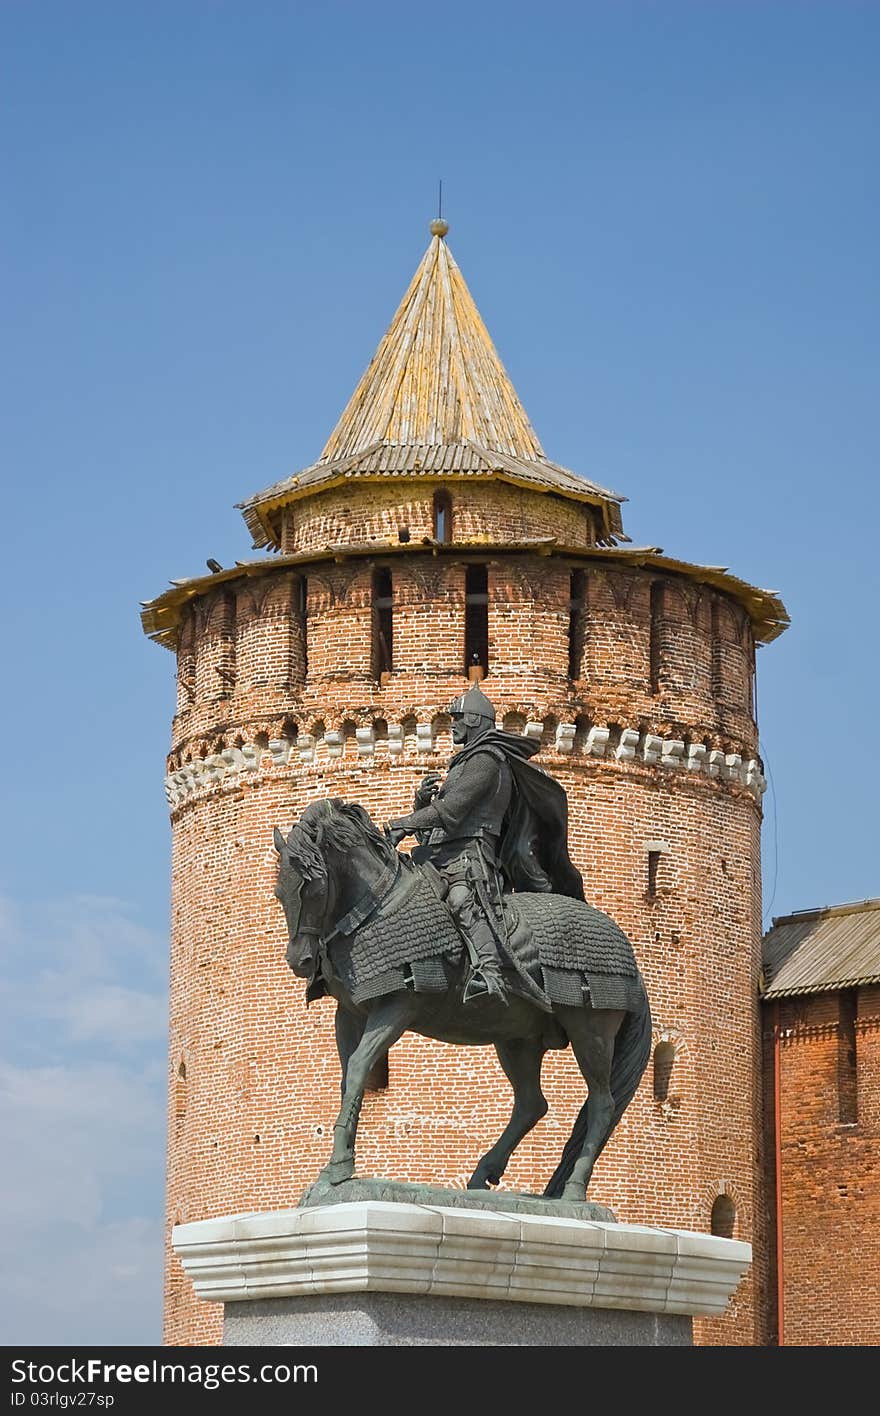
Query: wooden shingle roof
[436, 377]
[435, 401]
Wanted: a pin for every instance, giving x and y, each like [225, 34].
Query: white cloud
[82, 1115]
[83, 964]
[99, 1287]
[105, 1011]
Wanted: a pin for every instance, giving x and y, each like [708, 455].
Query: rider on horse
[496, 823]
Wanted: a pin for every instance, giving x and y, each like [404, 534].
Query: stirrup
[483, 985]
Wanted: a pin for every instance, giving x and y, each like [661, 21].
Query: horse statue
[370, 928]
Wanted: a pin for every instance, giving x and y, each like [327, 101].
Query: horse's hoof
[482, 1180]
[337, 1171]
[578, 1193]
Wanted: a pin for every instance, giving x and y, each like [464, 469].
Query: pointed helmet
[473, 706]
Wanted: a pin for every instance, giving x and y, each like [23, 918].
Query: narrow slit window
[476, 622]
[383, 625]
[180, 1096]
[847, 1092]
[442, 517]
[653, 872]
[303, 617]
[656, 621]
[576, 617]
[664, 1056]
[716, 650]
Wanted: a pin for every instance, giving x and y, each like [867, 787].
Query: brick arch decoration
[279, 597]
[731, 626]
[441, 733]
[706, 1197]
[267, 744]
[186, 663]
[220, 613]
[418, 583]
[675, 601]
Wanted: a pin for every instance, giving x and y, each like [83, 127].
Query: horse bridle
[357, 915]
[367, 904]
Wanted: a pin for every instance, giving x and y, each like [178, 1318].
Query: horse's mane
[335, 825]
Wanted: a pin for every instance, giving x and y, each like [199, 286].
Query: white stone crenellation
[234, 764]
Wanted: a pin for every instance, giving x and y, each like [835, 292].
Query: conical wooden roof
[435, 401]
[436, 377]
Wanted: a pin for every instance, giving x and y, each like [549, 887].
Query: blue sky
[668, 216]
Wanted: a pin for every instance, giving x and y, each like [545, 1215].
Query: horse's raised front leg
[386, 1022]
[521, 1059]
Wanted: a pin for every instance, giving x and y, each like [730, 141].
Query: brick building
[822, 1114]
[434, 539]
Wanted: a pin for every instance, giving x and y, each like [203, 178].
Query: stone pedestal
[389, 1273]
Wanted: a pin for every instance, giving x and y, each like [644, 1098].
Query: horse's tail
[632, 1052]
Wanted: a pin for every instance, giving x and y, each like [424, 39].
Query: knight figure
[496, 824]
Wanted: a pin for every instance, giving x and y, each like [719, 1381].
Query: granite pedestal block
[404, 1320]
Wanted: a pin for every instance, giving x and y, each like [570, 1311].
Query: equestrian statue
[481, 936]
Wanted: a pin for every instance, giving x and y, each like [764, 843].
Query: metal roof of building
[814, 951]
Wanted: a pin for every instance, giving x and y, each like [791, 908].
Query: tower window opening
[723, 1217]
[180, 1096]
[664, 1056]
[476, 622]
[847, 1071]
[303, 618]
[576, 617]
[383, 625]
[653, 871]
[442, 517]
[654, 644]
[716, 669]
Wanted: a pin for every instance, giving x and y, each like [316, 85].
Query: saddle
[572, 952]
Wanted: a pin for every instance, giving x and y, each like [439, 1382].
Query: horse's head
[304, 888]
[333, 849]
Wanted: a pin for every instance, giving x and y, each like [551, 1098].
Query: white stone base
[371, 1246]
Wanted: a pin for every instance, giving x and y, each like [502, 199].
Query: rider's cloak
[534, 838]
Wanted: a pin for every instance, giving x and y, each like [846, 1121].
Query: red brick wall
[830, 1192]
[250, 1125]
[256, 638]
[367, 511]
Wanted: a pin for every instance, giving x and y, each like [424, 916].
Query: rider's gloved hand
[396, 831]
[428, 789]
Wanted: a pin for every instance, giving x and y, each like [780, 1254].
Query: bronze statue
[496, 822]
[399, 946]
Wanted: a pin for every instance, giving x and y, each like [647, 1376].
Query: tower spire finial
[439, 227]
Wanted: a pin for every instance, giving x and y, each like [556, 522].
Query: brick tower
[434, 540]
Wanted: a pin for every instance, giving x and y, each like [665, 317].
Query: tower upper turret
[435, 402]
